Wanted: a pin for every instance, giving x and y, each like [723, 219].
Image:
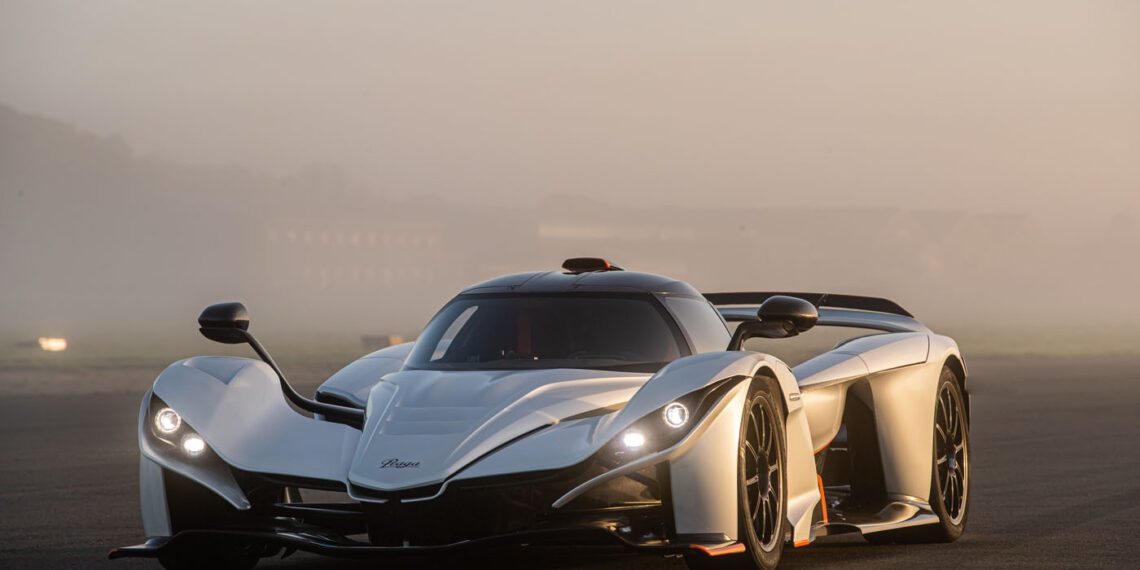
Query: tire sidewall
[950, 530]
[768, 391]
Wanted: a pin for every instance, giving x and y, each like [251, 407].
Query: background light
[193, 444]
[676, 415]
[633, 440]
[53, 344]
[167, 421]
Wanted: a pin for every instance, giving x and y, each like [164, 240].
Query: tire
[762, 496]
[950, 472]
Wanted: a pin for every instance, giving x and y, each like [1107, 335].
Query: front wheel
[762, 495]
[950, 472]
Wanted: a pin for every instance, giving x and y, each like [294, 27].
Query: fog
[347, 166]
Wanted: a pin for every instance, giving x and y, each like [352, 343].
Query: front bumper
[633, 511]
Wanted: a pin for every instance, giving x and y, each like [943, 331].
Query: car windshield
[608, 332]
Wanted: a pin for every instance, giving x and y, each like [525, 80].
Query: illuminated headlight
[193, 444]
[167, 421]
[666, 426]
[675, 415]
[633, 440]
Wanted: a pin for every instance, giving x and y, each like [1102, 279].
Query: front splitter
[331, 545]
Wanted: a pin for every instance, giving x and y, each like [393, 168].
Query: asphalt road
[1056, 465]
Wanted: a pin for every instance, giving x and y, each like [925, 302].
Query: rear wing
[820, 300]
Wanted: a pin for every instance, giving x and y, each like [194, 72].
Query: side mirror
[799, 313]
[225, 323]
[229, 323]
[779, 316]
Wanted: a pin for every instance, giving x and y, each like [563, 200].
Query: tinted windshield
[631, 333]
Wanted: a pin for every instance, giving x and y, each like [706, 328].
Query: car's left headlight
[167, 426]
[667, 425]
[675, 415]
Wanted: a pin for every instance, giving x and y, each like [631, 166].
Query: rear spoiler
[874, 304]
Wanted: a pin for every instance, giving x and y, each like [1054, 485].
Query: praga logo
[394, 463]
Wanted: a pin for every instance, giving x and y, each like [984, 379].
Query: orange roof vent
[577, 265]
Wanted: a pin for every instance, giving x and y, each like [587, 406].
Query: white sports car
[589, 406]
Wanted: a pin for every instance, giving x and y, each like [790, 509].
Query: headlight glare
[167, 421]
[633, 440]
[675, 415]
[193, 445]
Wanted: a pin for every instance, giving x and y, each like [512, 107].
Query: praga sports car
[587, 406]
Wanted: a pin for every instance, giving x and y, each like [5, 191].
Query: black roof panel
[597, 281]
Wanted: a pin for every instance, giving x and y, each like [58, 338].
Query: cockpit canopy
[508, 331]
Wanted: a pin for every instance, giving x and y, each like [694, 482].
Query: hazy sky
[1021, 105]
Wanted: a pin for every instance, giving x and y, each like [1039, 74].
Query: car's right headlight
[167, 426]
[167, 421]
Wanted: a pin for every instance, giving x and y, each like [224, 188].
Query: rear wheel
[950, 473]
[762, 484]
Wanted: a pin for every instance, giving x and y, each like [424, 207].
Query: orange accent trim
[720, 550]
[822, 498]
[800, 543]
[816, 452]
